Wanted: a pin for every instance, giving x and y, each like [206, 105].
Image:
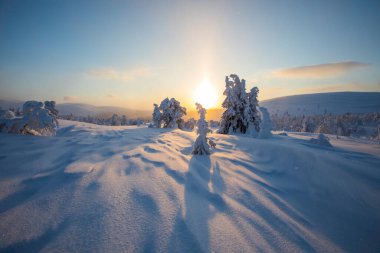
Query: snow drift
[130, 189]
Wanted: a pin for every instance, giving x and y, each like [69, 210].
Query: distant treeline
[356, 125]
[114, 120]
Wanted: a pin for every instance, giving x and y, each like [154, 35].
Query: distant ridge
[305, 104]
[320, 103]
[312, 104]
[102, 111]
[80, 109]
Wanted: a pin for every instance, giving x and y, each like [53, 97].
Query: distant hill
[103, 111]
[307, 104]
[312, 104]
[79, 109]
[6, 104]
[319, 103]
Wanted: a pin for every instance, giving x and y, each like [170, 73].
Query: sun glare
[206, 95]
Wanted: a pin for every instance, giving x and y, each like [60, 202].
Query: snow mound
[322, 140]
[137, 189]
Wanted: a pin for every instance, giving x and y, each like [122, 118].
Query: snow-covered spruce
[115, 120]
[156, 116]
[251, 112]
[7, 114]
[36, 120]
[50, 106]
[241, 111]
[266, 124]
[190, 124]
[322, 140]
[172, 113]
[202, 143]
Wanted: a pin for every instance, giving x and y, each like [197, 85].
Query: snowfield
[136, 189]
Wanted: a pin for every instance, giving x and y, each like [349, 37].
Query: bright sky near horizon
[136, 53]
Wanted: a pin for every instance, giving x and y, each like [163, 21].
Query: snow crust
[137, 189]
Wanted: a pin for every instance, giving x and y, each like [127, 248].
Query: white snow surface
[137, 189]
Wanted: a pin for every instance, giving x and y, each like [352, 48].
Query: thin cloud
[70, 98]
[320, 70]
[335, 88]
[114, 74]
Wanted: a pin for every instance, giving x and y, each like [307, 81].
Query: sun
[206, 95]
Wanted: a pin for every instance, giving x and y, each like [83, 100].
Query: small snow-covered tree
[124, 120]
[266, 124]
[172, 113]
[307, 124]
[214, 123]
[115, 120]
[190, 124]
[7, 114]
[156, 116]
[202, 143]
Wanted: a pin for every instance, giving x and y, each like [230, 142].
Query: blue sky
[134, 53]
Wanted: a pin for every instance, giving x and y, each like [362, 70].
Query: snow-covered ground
[136, 189]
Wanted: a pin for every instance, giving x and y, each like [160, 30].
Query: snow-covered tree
[202, 143]
[50, 106]
[241, 108]
[172, 113]
[307, 124]
[266, 124]
[124, 120]
[38, 120]
[156, 116]
[115, 120]
[190, 124]
[214, 123]
[18, 113]
[251, 112]
[7, 114]
[327, 125]
[229, 104]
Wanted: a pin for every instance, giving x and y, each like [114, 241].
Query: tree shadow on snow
[199, 198]
[38, 243]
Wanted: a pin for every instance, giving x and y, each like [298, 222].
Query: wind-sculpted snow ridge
[137, 189]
